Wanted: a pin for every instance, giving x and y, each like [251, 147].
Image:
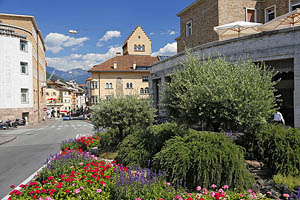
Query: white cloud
[108, 36]
[172, 32]
[85, 61]
[55, 42]
[169, 49]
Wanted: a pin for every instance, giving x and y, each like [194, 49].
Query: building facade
[126, 74]
[198, 19]
[23, 69]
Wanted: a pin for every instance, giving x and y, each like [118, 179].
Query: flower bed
[76, 174]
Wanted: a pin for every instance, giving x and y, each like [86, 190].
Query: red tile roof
[124, 63]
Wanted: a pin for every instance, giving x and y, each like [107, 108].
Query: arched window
[106, 85]
[139, 48]
[127, 85]
[130, 85]
[110, 85]
[135, 47]
[142, 90]
[143, 48]
[146, 90]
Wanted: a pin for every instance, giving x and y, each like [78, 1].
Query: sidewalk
[12, 133]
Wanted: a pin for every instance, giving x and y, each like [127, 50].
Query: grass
[290, 181]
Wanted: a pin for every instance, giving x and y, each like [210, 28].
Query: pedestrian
[278, 118]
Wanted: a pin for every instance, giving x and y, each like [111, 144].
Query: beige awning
[288, 20]
[237, 29]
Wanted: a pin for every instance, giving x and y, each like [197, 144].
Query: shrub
[221, 95]
[203, 158]
[123, 113]
[138, 149]
[279, 148]
[290, 181]
[108, 138]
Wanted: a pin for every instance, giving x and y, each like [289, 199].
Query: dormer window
[135, 47]
[139, 47]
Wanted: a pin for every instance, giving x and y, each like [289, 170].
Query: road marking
[59, 126]
[78, 125]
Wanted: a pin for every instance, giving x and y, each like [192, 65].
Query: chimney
[115, 64]
[118, 54]
[134, 65]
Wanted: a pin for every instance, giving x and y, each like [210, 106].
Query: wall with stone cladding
[234, 10]
[204, 17]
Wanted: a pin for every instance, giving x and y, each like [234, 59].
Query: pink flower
[76, 191]
[269, 193]
[212, 194]
[72, 167]
[286, 195]
[168, 183]
[48, 198]
[139, 198]
[81, 163]
[198, 188]
[99, 190]
[40, 198]
[213, 186]
[225, 187]
[220, 191]
[249, 190]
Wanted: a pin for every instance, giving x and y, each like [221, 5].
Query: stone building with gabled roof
[125, 74]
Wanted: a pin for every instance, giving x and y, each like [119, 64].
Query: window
[129, 85]
[146, 90]
[143, 47]
[65, 100]
[108, 85]
[135, 47]
[47, 93]
[250, 15]
[142, 91]
[270, 13]
[108, 97]
[24, 96]
[24, 67]
[145, 78]
[294, 5]
[188, 29]
[94, 84]
[23, 45]
[54, 93]
[94, 99]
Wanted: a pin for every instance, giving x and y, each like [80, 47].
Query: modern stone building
[125, 74]
[198, 20]
[278, 49]
[22, 69]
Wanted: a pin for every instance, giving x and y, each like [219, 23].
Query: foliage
[203, 158]
[279, 148]
[290, 181]
[123, 113]
[109, 138]
[221, 95]
[138, 149]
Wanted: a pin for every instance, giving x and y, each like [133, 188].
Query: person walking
[278, 118]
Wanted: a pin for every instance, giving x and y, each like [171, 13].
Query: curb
[9, 140]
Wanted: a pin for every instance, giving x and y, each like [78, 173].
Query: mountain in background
[78, 74]
[54, 77]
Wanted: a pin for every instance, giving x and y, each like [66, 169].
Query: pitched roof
[125, 63]
[132, 34]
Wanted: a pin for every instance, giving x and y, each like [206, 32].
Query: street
[28, 152]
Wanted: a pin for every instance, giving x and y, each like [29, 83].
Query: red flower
[12, 186]
[50, 178]
[67, 191]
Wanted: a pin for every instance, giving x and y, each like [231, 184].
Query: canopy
[288, 20]
[236, 29]
[51, 99]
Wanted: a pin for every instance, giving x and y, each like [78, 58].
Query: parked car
[21, 122]
[67, 117]
[3, 125]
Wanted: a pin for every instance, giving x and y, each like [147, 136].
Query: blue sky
[101, 25]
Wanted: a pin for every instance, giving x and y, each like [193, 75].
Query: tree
[123, 113]
[221, 95]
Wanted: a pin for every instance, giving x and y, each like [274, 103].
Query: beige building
[22, 68]
[125, 74]
[198, 20]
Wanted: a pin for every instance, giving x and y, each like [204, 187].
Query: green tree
[123, 113]
[221, 95]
